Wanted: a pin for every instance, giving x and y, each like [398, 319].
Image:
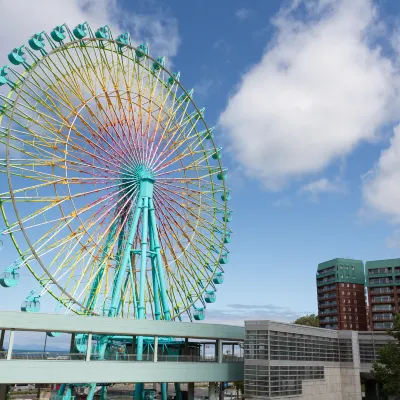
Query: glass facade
[265, 346]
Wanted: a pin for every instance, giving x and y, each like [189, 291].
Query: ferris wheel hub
[141, 176]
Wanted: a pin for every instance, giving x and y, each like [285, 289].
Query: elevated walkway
[81, 368]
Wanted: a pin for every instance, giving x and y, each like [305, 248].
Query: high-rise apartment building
[383, 282]
[341, 294]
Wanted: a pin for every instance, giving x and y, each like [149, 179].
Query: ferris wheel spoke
[205, 222]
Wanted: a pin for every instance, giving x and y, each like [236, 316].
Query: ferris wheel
[117, 200]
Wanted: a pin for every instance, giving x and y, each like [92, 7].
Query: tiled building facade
[341, 295]
[383, 282]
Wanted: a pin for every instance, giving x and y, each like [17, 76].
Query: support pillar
[91, 391]
[72, 344]
[190, 395]
[10, 344]
[186, 347]
[89, 347]
[233, 350]
[164, 391]
[212, 391]
[155, 350]
[221, 391]
[178, 391]
[133, 345]
[103, 393]
[3, 392]
[139, 391]
[3, 333]
[219, 351]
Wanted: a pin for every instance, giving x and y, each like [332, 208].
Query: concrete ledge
[24, 321]
[18, 371]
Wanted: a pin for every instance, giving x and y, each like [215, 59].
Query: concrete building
[341, 294]
[383, 282]
[286, 360]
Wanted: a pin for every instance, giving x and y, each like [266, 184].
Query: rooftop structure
[341, 294]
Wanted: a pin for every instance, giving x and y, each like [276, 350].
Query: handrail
[66, 356]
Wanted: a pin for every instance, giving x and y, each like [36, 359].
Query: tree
[238, 387]
[387, 368]
[308, 320]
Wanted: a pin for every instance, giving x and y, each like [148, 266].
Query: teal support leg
[178, 391]
[143, 264]
[131, 277]
[163, 292]
[103, 394]
[92, 300]
[164, 391]
[62, 389]
[157, 311]
[125, 260]
[139, 391]
[68, 393]
[91, 391]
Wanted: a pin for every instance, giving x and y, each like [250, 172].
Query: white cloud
[381, 186]
[282, 202]
[319, 90]
[29, 17]
[242, 14]
[323, 185]
[393, 242]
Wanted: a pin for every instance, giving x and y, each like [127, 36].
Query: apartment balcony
[326, 280]
[383, 299]
[327, 296]
[331, 326]
[326, 271]
[383, 325]
[327, 289]
[381, 281]
[384, 290]
[380, 271]
[382, 317]
[328, 320]
[382, 308]
[328, 312]
[327, 304]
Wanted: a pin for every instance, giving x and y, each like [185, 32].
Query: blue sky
[304, 97]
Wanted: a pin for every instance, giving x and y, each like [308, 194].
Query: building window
[355, 301]
[355, 309]
[342, 284]
[356, 317]
[342, 293]
[345, 325]
[348, 293]
[357, 326]
[348, 284]
[350, 309]
[354, 286]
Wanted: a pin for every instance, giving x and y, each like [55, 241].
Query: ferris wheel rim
[12, 194]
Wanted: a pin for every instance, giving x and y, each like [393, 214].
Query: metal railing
[65, 356]
[47, 356]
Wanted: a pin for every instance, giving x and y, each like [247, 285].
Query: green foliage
[308, 320]
[239, 388]
[387, 368]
